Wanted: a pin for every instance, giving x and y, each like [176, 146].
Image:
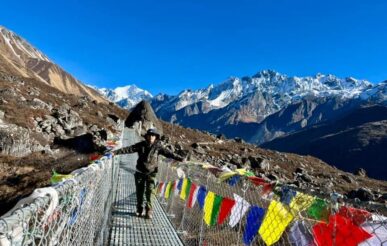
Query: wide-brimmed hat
[153, 132]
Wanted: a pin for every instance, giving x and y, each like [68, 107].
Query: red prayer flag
[225, 209]
[267, 188]
[191, 194]
[161, 186]
[95, 157]
[339, 232]
[357, 216]
[257, 181]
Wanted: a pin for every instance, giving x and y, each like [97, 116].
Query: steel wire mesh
[288, 223]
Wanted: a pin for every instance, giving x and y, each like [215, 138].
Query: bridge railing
[207, 207]
[73, 212]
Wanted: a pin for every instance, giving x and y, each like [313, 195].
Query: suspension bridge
[195, 204]
[126, 228]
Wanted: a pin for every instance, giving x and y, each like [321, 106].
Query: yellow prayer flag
[300, 202]
[168, 190]
[183, 194]
[208, 206]
[226, 175]
[276, 220]
[241, 171]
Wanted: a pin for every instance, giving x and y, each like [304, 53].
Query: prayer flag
[378, 231]
[183, 193]
[168, 190]
[319, 210]
[275, 222]
[215, 209]
[254, 221]
[300, 203]
[238, 211]
[357, 216]
[287, 195]
[234, 180]
[299, 235]
[208, 205]
[192, 195]
[225, 209]
[201, 196]
[339, 232]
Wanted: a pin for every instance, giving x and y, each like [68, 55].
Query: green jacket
[147, 161]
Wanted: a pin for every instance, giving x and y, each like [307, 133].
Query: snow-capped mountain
[126, 96]
[261, 95]
[377, 93]
[259, 108]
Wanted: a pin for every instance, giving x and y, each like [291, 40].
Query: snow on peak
[126, 96]
[377, 93]
[282, 88]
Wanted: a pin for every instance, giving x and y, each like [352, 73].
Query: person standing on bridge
[147, 164]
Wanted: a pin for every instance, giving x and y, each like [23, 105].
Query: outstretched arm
[127, 150]
[169, 154]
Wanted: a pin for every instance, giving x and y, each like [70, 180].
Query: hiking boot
[139, 212]
[148, 214]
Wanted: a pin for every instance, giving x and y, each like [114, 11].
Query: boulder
[299, 170]
[17, 141]
[347, 178]
[36, 103]
[143, 116]
[82, 144]
[362, 193]
[272, 177]
[361, 172]
[259, 162]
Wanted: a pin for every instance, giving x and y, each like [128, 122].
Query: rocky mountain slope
[18, 57]
[48, 119]
[358, 140]
[42, 128]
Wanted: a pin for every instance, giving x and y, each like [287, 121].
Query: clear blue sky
[167, 46]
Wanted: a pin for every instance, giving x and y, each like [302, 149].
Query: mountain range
[269, 106]
[50, 120]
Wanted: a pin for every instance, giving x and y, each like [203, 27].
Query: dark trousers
[144, 184]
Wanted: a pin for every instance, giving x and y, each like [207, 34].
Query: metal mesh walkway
[126, 228]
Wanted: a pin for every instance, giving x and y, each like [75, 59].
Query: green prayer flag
[57, 177]
[170, 190]
[319, 210]
[188, 188]
[216, 209]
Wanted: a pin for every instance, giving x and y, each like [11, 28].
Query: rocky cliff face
[48, 119]
[33, 114]
[18, 57]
